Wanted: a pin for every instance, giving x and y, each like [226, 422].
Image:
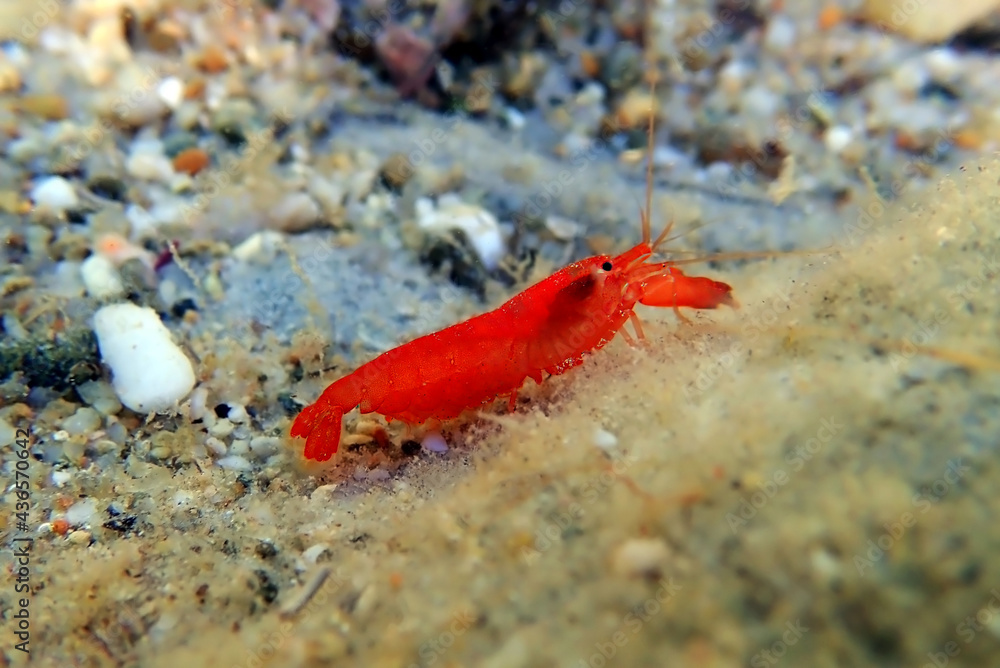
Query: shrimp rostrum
[548, 328]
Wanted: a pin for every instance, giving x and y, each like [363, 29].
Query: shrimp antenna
[648, 214]
[647, 233]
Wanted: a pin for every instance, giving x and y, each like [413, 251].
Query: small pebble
[221, 429]
[604, 440]
[101, 396]
[261, 247]
[191, 161]
[54, 194]
[837, 138]
[80, 537]
[171, 91]
[149, 163]
[640, 557]
[101, 278]
[82, 513]
[235, 463]
[238, 414]
[198, 403]
[434, 442]
[215, 446]
[295, 212]
[264, 446]
[240, 447]
[83, 422]
[323, 494]
[944, 64]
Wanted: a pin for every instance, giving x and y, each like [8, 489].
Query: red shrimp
[550, 327]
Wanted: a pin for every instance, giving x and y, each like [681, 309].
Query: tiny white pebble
[640, 557]
[198, 403]
[235, 463]
[837, 138]
[222, 428]
[54, 194]
[944, 64]
[434, 442]
[101, 278]
[264, 446]
[514, 118]
[147, 165]
[82, 513]
[237, 414]
[171, 91]
[239, 446]
[604, 440]
[216, 446]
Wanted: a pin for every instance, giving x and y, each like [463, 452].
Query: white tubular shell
[150, 373]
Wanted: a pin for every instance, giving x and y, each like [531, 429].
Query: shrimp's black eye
[606, 266]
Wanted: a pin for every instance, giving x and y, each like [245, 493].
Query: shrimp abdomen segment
[441, 375]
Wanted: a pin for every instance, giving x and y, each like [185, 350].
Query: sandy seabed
[805, 481]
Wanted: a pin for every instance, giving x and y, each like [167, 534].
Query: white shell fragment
[479, 225]
[434, 442]
[150, 373]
